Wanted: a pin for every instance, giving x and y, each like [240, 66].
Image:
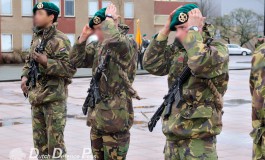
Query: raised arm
[205, 61]
[157, 57]
[82, 56]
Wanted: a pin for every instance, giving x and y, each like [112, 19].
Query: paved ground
[13, 71]
[234, 143]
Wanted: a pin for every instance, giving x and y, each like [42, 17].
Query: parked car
[236, 49]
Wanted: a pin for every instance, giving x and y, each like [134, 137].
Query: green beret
[181, 15]
[46, 6]
[144, 35]
[98, 17]
[260, 36]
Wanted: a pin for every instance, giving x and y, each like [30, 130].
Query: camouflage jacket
[56, 77]
[115, 84]
[259, 43]
[257, 90]
[199, 116]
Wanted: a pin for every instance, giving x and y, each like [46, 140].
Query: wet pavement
[234, 143]
[12, 72]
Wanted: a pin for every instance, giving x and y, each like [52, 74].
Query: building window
[128, 10]
[6, 42]
[105, 4]
[71, 38]
[69, 8]
[27, 6]
[92, 8]
[57, 3]
[6, 7]
[26, 41]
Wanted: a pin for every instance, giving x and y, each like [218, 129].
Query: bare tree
[224, 24]
[241, 23]
[208, 8]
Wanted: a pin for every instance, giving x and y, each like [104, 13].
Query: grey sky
[254, 5]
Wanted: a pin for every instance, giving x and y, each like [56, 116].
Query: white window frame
[132, 10]
[160, 15]
[11, 14]
[109, 1]
[23, 41]
[65, 10]
[30, 9]
[88, 7]
[12, 43]
[60, 7]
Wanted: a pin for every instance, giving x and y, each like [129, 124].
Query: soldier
[257, 89]
[112, 117]
[259, 42]
[192, 126]
[48, 94]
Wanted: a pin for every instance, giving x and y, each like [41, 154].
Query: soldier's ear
[51, 17]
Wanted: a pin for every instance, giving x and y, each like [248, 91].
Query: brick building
[16, 18]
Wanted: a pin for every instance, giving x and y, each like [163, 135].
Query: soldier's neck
[47, 26]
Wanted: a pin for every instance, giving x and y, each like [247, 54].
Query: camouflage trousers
[258, 152]
[191, 149]
[48, 123]
[109, 146]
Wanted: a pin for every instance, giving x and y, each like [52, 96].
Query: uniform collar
[45, 31]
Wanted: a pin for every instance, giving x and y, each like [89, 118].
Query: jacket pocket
[111, 116]
[193, 122]
[204, 112]
[55, 90]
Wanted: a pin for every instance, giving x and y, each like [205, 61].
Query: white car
[236, 49]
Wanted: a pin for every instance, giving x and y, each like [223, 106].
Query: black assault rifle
[174, 95]
[94, 96]
[34, 72]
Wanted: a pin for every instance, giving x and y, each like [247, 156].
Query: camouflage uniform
[48, 98]
[112, 118]
[192, 127]
[257, 89]
[259, 42]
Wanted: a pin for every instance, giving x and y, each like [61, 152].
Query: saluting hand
[112, 10]
[196, 18]
[166, 28]
[86, 32]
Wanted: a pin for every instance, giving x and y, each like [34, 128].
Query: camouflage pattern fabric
[48, 98]
[109, 146]
[259, 43]
[257, 89]
[56, 77]
[48, 123]
[114, 114]
[191, 149]
[198, 117]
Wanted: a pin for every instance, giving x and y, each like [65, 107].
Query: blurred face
[98, 32]
[41, 19]
[260, 39]
[182, 31]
